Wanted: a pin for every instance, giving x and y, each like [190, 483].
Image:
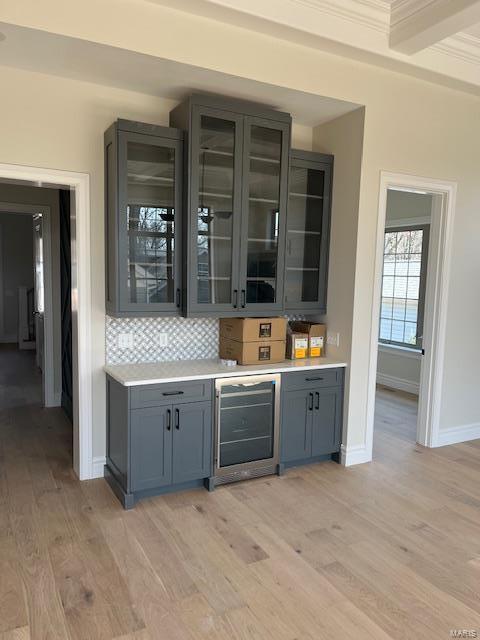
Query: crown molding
[402, 10]
[357, 29]
[462, 46]
[373, 14]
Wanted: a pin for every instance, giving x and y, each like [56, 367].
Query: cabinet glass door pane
[215, 210]
[304, 234]
[246, 427]
[265, 150]
[150, 223]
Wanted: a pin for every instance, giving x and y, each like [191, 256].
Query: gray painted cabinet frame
[117, 138]
[319, 162]
[244, 114]
[312, 416]
[157, 443]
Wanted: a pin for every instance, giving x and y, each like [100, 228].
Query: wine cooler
[246, 427]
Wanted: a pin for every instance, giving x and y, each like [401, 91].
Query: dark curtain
[66, 302]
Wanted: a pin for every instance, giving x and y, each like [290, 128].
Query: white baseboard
[398, 383]
[56, 400]
[354, 455]
[458, 434]
[97, 466]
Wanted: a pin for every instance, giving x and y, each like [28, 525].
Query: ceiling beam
[418, 24]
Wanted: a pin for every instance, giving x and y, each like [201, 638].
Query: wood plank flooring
[388, 550]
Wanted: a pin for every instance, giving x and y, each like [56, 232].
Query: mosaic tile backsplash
[188, 339]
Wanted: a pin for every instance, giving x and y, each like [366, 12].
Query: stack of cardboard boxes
[268, 340]
[253, 340]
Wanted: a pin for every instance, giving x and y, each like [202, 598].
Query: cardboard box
[297, 345]
[317, 335]
[253, 329]
[259, 352]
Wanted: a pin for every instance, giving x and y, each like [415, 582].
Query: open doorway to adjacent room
[35, 303]
[402, 310]
[408, 323]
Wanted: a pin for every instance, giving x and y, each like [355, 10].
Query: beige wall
[16, 269]
[398, 370]
[343, 137]
[411, 126]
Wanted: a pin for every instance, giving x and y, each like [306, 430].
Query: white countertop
[135, 374]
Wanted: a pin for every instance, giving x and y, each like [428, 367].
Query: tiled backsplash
[188, 339]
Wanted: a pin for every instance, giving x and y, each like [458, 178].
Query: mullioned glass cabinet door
[264, 211]
[216, 150]
[307, 234]
[149, 222]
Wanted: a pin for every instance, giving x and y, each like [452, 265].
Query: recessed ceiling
[73, 58]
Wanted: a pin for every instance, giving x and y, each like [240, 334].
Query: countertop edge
[223, 374]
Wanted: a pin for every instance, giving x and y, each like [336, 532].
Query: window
[403, 286]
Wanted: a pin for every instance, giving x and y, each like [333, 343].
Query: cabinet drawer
[314, 378]
[170, 393]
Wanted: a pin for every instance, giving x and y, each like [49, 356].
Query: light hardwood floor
[385, 550]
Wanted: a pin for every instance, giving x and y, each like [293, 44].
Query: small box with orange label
[316, 333]
[297, 345]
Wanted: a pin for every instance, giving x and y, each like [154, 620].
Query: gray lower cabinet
[326, 421]
[161, 447]
[150, 448]
[296, 432]
[192, 441]
[311, 416]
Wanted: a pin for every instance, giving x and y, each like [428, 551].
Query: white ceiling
[45, 52]
[362, 29]
[358, 29]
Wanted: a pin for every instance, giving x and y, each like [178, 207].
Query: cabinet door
[192, 441]
[296, 427]
[308, 233]
[149, 196]
[326, 421]
[265, 176]
[150, 448]
[215, 209]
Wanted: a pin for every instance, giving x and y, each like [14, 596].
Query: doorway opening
[35, 292]
[79, 301]
[402, 312]
[414, 234]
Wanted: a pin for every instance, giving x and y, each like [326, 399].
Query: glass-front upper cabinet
[308, 231]
[264, 206]
[237, 175]
[216, 206]
[143, 171]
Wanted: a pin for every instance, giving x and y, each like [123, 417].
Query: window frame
[425, 227]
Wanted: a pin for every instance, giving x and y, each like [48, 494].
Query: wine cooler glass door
[247, 419]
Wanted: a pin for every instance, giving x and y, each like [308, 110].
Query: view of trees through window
[403, 286]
